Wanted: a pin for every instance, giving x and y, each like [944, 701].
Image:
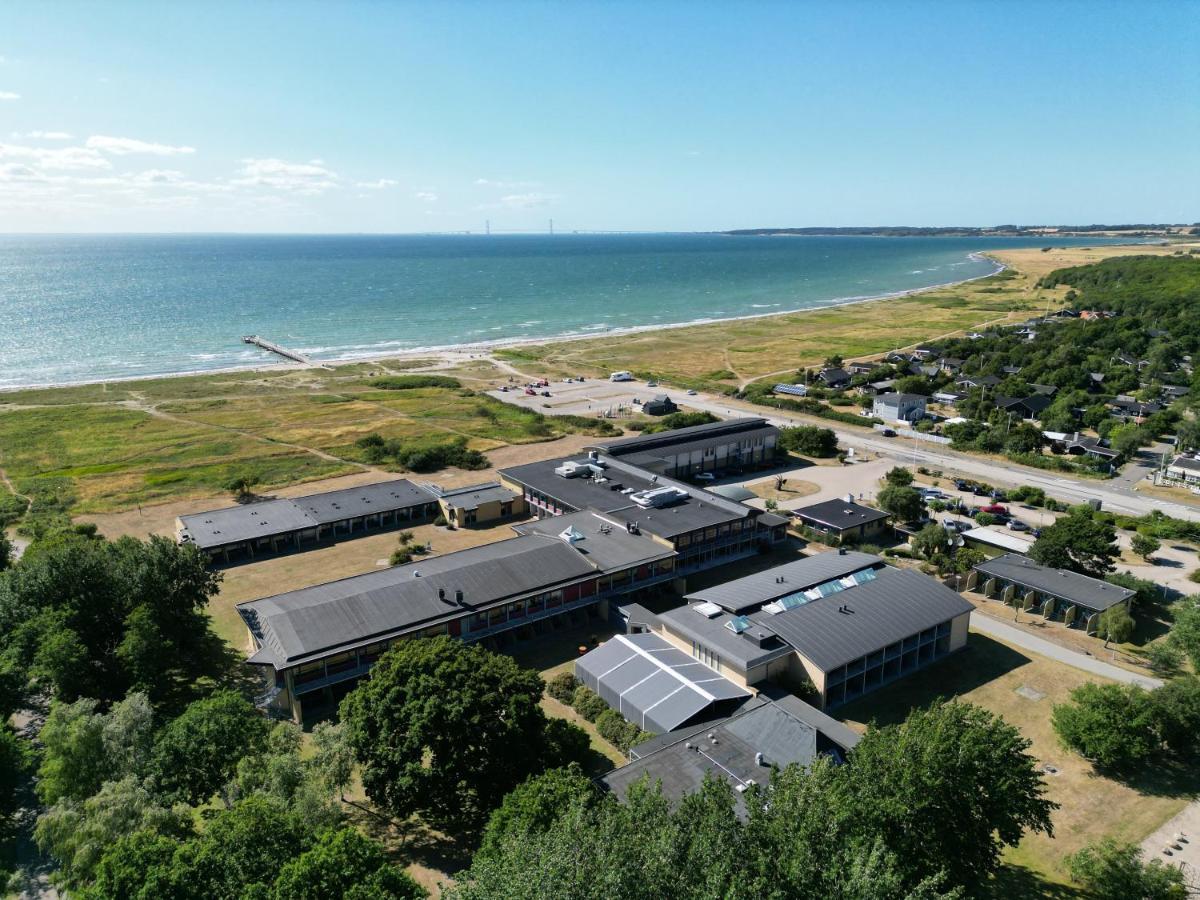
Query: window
[706, 656]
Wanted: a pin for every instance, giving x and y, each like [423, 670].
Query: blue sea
[94, 307]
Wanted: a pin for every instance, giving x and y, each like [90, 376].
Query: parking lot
[592, 397]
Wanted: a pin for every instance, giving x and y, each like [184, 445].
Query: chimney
[442, 594]
[758, 758]
[458, 597]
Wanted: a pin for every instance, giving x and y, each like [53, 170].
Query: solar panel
[738, 624]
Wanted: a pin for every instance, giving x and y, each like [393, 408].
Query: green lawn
[989, 673]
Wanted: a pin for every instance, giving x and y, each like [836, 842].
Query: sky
[691, 116]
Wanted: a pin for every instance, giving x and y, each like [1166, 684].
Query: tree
[93, 618]
[1177, 710]
[1077, 542]
[1112, 725]
[902, 502]
[1185, 631]
[344, 864]
[82, 748]
[197, 752]
[78, 834]
[446, 729]
[931, 541]
[333, 758]
[16, 759]
[808, 440]
[1164, 657]
[949, 790]
[1115, 871]
[1115, 624]
[1145, 545]
[242, 486]
[1024, 438]
[6, 550]
[534, 805]
[898, 475]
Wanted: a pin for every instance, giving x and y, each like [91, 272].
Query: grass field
[989, 673]
[101, 448]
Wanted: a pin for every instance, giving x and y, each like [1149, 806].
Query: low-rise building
[834, 378]
[1183, 469]
[1026, 407]
[312, 641]
[995, 541]
[682, 452]
[250, 530]
[844, 520]
[659, 405]
[899, 407]
[845, 622]
[742, 749]
[479, 504]
[1059, 594]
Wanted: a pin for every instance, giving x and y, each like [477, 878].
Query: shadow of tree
[981, 661]
[1015, 882]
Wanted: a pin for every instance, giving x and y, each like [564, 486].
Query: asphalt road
[1116, 495]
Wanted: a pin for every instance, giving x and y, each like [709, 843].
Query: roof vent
[442, 594]
[458, 597]
[758, 758]
[707, 609]
[416, 574]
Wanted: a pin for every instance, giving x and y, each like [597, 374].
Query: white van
[621, 376]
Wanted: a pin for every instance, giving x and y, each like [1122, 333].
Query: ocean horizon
[78, 308]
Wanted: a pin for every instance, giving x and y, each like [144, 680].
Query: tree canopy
[1079, 542]
[446, 729]
[93, 618]
[902, 502]
[922, 810]
[1115, 871]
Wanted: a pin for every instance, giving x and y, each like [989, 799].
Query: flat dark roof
[739, 650]
[840, 514]
[840, 628]
[661, 439]
[699, 509]
[1070, 586]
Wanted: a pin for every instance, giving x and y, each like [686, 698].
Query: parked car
[999, 496]
[995, 509]
[545, 393]
[1017, 525]
[531, 392]
[691, 392]
[962, 484]
[932, 494]
[704, 476]
[651, 384]
[955, 525]
[888, 432]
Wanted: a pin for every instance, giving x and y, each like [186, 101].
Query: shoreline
[467, 350]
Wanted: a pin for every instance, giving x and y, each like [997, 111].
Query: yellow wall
[958, 631]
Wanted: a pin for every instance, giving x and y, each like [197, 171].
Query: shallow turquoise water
[76, 308]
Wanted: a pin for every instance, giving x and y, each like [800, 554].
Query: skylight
[708, 610]
[738, 624]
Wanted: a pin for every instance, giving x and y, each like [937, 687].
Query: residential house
[834, 378]
[1026, 407]
[844, 520]
[659, 405]
[899, 407]
[977, 381]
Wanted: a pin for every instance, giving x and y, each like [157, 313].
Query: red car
[995, 509]
[531, 392]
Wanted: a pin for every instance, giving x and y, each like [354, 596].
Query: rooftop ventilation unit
[571, 535]
[659, 497]
[570, 469]
[708, 610]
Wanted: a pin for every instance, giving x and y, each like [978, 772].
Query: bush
[1164, 657]
[409, 382]
[1113, 725]
[440, 520]
[401, 556]
[588, 703]
[421, 455]
[1113, 871]
[614, 729]
[562, 687]
[899, 475]
[808, 440]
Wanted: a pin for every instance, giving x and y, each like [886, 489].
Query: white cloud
[527, 201]
[125, 146]
[43, 136]
[303, 178]
[377, 185]
[65, 158]
[427, 196]
[506, 185]
[9, 95]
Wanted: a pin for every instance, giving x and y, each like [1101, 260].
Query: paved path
[1187, 857]
[1010, 635]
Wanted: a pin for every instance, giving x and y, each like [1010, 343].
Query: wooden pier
[282, 351]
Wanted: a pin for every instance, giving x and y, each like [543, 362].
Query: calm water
[77, 308]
